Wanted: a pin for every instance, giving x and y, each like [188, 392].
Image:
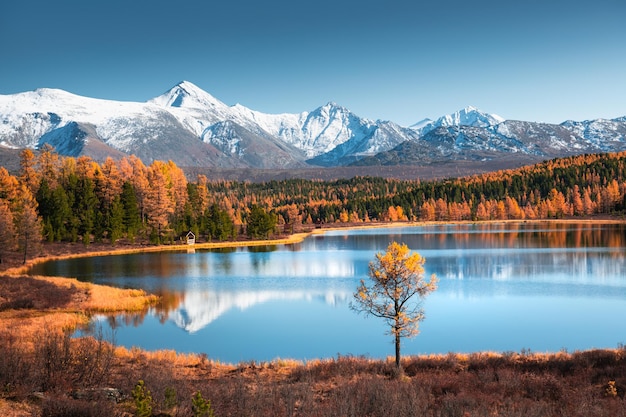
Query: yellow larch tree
[396, 280]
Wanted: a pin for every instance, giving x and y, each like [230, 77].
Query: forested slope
[77, 199]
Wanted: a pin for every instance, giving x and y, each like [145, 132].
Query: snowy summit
[192, 128]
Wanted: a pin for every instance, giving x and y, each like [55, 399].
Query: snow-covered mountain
[470, 134]
[325, 135]
[469, 116]
[192, 128]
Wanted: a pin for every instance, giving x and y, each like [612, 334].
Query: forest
[65, 199]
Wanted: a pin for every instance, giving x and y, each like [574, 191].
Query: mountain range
[194, 129]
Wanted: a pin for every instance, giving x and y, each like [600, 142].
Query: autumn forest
[64, 199]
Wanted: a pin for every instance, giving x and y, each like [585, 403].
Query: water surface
[502, 287]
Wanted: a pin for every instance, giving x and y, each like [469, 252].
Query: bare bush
[92, 358]
[67, 407]
[52, 358]
[481, 384]
[15, 366]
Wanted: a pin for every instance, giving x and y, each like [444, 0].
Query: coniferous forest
[65, 199]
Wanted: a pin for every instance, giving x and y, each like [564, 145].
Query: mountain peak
[331, 105]
[421, 123]
[331, 109]
[469, 109]
[188, 95]
[468, 116]
[191, 127]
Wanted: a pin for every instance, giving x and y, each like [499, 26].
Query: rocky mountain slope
[192, 128]
[481, 141]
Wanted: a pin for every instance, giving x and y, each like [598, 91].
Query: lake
[544, 286]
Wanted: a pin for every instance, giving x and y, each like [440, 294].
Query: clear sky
[399, 60]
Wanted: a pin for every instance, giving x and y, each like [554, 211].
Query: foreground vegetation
[60, 376]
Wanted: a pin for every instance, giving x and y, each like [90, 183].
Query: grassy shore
[45, 372]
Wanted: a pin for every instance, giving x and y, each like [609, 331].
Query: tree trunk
[25, 247]
[398, 365]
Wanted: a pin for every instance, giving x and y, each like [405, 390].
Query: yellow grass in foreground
[83, 299]
[15, 409]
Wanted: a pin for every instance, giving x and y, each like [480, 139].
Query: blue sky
[397, 60]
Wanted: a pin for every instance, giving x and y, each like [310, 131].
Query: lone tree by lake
[396, 277]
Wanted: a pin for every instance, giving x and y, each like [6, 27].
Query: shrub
[143, 400]
[66, 407]
[201, 407]
[611, 390]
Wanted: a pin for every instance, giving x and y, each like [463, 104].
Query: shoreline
[132, 249]
[22, 269]
[288, 240]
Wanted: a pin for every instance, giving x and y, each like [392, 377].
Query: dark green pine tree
[62, 212]
[132, 217]
[54, 209]
[85, 208]
[219, 225]
[45, 208]
[260, 223]
[193, 216]
[70, 185]
[116, 220]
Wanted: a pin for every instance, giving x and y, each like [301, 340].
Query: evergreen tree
[131, 215]
[46, 209]
[62, 212]
[260, 224]
[219, 224]
[54, 209]
[85, 208]
[27, 223]
[116, 220]
[70, 185]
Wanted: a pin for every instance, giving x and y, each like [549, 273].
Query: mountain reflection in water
[502, 286]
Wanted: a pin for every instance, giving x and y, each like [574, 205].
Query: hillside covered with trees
[64, 199]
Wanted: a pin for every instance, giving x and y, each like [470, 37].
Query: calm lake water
[502, 287]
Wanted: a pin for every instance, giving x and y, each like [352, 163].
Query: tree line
[66, 199]
[582, 185]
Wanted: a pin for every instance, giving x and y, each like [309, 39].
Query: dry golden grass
[171, 357]
[580, 384]
[28, 325]
[14, 409]
[29, 305]
[107, 299]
